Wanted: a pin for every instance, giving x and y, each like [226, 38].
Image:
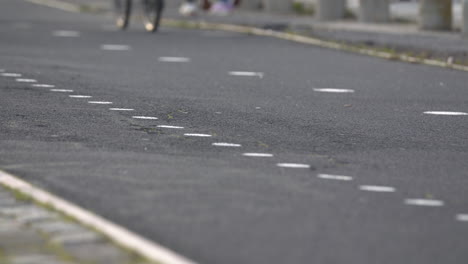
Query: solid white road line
[145, 117]
[246, 74]
[174, 59]
[121, 109]
[61, 90]
[293, 165]
[424, 202]
[333, 90]
[258, 155]
[196, 135]
[100, 102]
[374, 188]
[79, 96]
[43, 85]
[224, 144]
[116, 233]
[115, 47]
[26, 80]
[173, 127]
[11, 74]
[446, 113]
[335, 177]
[462, 217]
[66, 33]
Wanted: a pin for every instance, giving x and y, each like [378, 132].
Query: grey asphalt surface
[212, 204]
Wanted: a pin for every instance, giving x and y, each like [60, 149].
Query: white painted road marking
[374, 188]
[462, 217]
[148, 249]
[174, 59]
[424, 202]
[115, 47]
[224, 144]
[173, 127]
[79, 96]
[145, 117]
[43, 85]
[196, 135]
[66, 33]
[10, 74]
[258, 155]
[61, 90]
[99, 102]
[246, 74]
[335, 177]
[447, 113]
[293, 165]
[333, 90]
[121, 109]
[26, 80]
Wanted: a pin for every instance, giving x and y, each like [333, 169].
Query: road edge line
[118, 234]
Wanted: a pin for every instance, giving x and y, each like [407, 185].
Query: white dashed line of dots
[170, 127]
[424, 202]
[115, 47]
[258, 155]
[174, 59]
[79, 96]
[335, 177]
[462, 217]
[197, 135]
[61, 90]
[10, 74]
[333, 90]
[445, 113]
[43, 85]
[66, 33]
[224, 144]
[122, 109]
[100, 102]
[247, 74]
[375, 188]
[293, 165]
[26, 80]
[145, 117]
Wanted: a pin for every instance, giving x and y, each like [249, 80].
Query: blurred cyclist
[221, 7]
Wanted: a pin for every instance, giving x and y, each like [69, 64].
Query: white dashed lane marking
[424, 202]
[100, 102]
[446, 113]
[246, 74]
[66, 33]
[333, 90]
[223, 144]
[10, 74]
[335, 177]
[121, 109]
[43, 85]
[258, 155]
[374, 188]
[293, 165]
[171, 127]
[197, 135]
[61, 90]
[462, 217]
[145, 117]
[79, 96]
[174, 59]
[26, 80]
[115, 47]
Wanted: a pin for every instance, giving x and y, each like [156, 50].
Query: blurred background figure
[220, 7]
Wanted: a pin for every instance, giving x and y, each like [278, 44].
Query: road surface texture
[263, 151]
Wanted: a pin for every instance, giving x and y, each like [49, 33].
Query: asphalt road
[212, 203]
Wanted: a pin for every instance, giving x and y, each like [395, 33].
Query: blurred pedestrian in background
[220, 7]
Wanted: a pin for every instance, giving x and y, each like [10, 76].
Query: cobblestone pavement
[32, 234]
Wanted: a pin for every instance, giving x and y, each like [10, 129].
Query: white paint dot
[424, 202]
[79, 96]
[61, 90]
[100, 102]
[171, 127]
[374, 188]
[446, 113]
[197, 135]
[115, 47]
[246, 74]
[145, 117]
[462, 217]
[121, 109]
[293, 165]
[26, 80]
[66, 33]
[10, 74]
[335, 177]
[43, 85]
[258, 155]
[224, 144]
[333, 90]
[174, 59]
